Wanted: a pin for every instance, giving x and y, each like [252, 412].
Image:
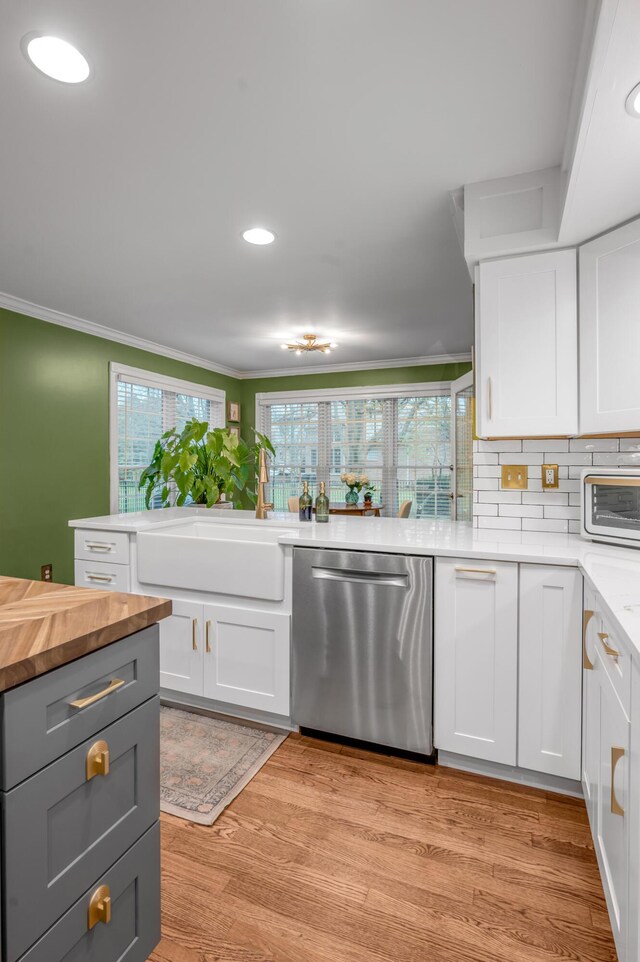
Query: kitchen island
[79, 774]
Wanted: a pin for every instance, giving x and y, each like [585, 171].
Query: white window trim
[151, 379]
[425, 389]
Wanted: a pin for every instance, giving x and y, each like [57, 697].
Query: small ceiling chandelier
[308, 343]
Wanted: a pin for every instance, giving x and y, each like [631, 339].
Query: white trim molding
[29, 309]
[19, 306]
[424, 389]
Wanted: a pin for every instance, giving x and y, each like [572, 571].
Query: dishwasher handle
[361, 577]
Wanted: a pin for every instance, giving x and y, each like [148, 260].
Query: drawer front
[39, 720]
[63, 829]
[133, 931]
[617, 662]
[110, 546]
[102, 574]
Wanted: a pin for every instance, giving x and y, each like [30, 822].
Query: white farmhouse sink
[231, 559]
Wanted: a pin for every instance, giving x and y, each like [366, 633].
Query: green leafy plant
[198, 465]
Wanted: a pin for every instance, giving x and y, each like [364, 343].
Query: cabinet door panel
[550, 672]
[527, 346]
[181, 649]
[591, 667]
[246, 658]
[609, 332]
[613, 809]
[476, 658]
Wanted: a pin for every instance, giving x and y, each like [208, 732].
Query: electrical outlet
[46, 572]
[515, 476]
[549, 476]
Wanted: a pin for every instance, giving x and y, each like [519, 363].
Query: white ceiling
[340, 124]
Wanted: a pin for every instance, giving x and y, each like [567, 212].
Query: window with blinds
[143, 407]
[402, 443]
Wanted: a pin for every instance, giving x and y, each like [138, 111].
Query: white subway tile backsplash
[490, 510]
[488, 470]
[520, 510]
[513, 457]
[574, 527]
[545, 524]
[575, 499]
[546, 444]
[485, 484]
[513, 523]
[499, 446]
[586, 445]
[574, 459]
[483, 457]
[630, 444]
[501, 497]
[544, 497]
[562, 513]
[629, 458]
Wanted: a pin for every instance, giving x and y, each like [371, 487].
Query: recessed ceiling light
[259, 235]
[57, 59]
[633, 102]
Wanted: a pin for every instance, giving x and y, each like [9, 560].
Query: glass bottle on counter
[322, 506]
[305, 503]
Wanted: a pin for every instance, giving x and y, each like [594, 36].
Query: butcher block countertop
[44, 626]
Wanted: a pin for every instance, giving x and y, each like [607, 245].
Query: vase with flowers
[355, 484]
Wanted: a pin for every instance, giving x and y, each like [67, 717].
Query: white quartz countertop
[612, 571]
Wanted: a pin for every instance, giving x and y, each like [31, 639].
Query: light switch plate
[549, 476]
[515, 476]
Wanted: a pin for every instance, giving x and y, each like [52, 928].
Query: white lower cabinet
[182, 649]
[591, 667]
[246, 660]
[550, 682]
[508, 664]
[476, 658]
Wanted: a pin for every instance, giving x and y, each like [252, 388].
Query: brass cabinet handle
[194, 628]
[98, 545]
[586, 618]
[478, 571]
[93, 577]
[99, 907]
[489, 398]
[208, 629]
[111, 687]
[98, 759]
[602, 635]
[616, 755]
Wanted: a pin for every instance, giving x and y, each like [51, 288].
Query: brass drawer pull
[111, 687]
[489, 398]
[93, 577]
[208, 630]
[616, 755]
[98, 545]
[99, 907]
[477, 571]
[98, 759]
[586, 618]
[602, 635]
[194, 628]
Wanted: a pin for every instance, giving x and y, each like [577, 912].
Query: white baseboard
[511, 773]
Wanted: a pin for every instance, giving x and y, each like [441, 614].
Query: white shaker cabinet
[181, 649]
[610, 332]
[527, 346]
[590, 705]
[476, 658]
[550, 689]
[246, 658]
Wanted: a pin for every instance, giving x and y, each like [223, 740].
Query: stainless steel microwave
[611, 505]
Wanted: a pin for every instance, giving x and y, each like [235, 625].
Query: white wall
[535, 509]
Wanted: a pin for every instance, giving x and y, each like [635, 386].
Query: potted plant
[355, 483]
[368, 493]
[199, 466]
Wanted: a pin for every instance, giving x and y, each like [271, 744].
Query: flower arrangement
[355, 483]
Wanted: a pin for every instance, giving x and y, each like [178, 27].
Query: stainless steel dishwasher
[362, 646]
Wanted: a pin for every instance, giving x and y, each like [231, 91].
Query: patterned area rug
[205, 762]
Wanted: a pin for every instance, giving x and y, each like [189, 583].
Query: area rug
[205, 762]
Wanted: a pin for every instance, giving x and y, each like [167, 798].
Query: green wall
[54, 429]
[308, 382]
[54, 435]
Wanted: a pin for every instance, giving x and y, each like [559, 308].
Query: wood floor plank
[335, 854]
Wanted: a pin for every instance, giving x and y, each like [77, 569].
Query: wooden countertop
[44, 626]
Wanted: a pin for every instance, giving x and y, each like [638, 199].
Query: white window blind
[402, 442]
[143, 407]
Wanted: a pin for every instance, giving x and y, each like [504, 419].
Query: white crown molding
[426, 360]
[20, 306]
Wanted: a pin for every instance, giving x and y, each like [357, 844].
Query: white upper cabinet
[610, 332]
[527, 346]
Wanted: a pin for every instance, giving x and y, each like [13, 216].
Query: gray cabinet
[80, 808]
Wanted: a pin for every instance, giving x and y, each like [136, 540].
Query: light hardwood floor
[332, 854]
